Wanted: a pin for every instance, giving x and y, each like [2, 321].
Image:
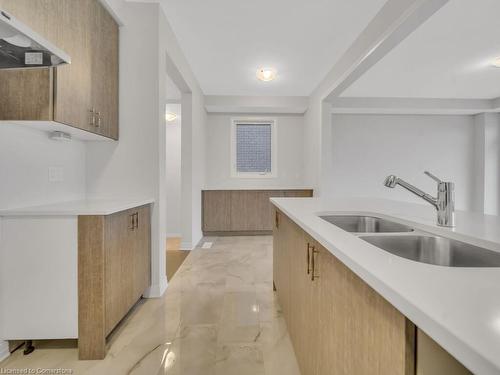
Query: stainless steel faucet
[444, 203]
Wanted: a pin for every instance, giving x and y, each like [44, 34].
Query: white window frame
[274, 147]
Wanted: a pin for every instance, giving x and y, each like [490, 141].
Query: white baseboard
[157, 290]
[4, 350]
[189, 245]
[186, 246]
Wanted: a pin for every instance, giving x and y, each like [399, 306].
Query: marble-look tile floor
[219, 316]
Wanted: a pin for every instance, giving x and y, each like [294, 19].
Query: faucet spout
[392, 181]
[444, 203]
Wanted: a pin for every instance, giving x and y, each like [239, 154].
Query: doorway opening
[173, 118]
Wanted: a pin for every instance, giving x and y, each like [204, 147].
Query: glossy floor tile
[219, 316]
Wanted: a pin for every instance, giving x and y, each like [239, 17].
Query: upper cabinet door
[72, 93]
[104, 59]
[27, 94]
[83, 94]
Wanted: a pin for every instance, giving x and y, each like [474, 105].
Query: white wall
[173, 167]
[25, 157]
[193, 166]
[136, 165]
[367, 148]
[290, 133]
[487, 163]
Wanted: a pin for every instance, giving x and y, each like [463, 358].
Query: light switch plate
[56, 174]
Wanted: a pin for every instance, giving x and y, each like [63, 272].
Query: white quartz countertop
[458, 307]
[79, 207]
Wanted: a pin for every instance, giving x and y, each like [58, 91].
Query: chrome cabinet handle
[136, 220]
[132, 222]
[313, 264]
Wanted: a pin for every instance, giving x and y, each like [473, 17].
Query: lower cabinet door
[360, 332]
[303, 319]
[119, 266]
[281, 259]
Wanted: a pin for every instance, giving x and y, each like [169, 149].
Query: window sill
[253, 175]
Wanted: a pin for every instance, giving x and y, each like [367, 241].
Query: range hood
[22, 48]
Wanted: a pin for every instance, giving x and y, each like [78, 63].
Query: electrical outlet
[56, 174]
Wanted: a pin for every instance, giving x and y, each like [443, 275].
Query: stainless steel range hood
[22, 48]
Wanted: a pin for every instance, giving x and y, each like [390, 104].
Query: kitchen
[287, 131]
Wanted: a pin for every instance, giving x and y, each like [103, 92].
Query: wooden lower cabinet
[360, 332]
[303, 302]
[216, 210]
[235, 212]
[114, 270]
[337, 323]
[432, 359]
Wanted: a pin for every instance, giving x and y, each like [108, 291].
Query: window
[253, 148]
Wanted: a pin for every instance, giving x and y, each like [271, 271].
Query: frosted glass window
[253, 148]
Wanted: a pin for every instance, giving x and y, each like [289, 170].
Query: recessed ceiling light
[496, 62]
[170, 116]
[266, 74]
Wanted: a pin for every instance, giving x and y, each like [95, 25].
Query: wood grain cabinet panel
[72, 85]
[119, 282]
[229, 212]
[114, 270]
[361, 332]
[142, 255]
[216, 211]
[249, 211]
[303, 317]
[432, 359]
[337, 323]
[104, 74]
[66, 94]
[282, 262]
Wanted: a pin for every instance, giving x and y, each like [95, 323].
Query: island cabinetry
[337, 323]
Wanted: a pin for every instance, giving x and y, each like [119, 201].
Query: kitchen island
[457, 307]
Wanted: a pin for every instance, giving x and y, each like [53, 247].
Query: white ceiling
[226, 41]
[447, 57]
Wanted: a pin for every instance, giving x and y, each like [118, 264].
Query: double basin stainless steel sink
[404, 241]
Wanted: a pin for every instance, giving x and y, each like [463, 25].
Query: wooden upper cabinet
[69, 93]
[72, 96]
[104, 72]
